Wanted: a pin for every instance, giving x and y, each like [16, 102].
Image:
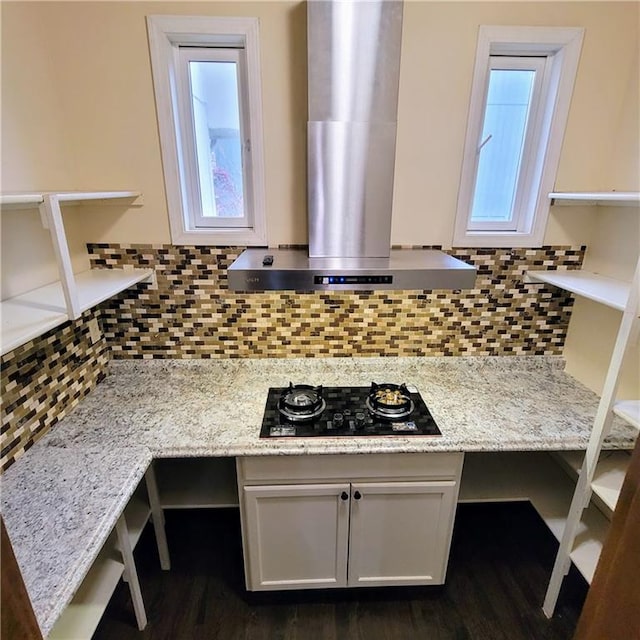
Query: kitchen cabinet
[347, 521]
[296, 536]
[400, 532]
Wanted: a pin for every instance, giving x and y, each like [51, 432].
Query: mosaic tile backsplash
[192, 314]
[44, 379]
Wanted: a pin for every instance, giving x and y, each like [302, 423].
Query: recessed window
[520, 98]
[206, 80]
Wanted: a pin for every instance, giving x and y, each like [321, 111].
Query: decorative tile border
[192, 314]
[44, 379]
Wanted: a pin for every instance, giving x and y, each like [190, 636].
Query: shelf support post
[130, 572]
[157, 517]
[51, 213]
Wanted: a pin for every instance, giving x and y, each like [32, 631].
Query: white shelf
[83, 613]
[588, 542]
[206, 483]
[79, 196]
[496, 477]
[608, 291]
[97, 285]
[26, 199]
[629, 411]
[29, 315]
[597, 198]
[20, 199]
[26, 317]
[608, 477]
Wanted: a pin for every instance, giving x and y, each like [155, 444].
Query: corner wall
[43, 380]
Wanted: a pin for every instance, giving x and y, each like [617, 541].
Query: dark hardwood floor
[501, 559]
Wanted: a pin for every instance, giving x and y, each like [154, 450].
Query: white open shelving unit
[83, 613]
[607, 479]
[31, 314]
[594, 286]
[608, 291]
[599, 474]
[115, 560]
[538, 478]
[595, 198]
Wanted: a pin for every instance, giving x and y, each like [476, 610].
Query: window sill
[497, 239]
[220, 237]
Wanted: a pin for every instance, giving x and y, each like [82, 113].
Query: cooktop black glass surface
[380, 410]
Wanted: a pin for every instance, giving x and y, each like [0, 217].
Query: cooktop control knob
[360, 420]
[338, 420]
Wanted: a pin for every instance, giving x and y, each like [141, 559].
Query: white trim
[562, 46]
[166, 33]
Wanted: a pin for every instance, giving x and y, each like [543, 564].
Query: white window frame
[525, 181]
[173, 100]
[561, 47]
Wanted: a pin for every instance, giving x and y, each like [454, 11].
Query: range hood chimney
[353, 74]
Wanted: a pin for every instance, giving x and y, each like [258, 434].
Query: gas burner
[389, 401]
[302, 411]
[301, 402]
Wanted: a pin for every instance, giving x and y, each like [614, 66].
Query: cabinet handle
[344, 495]
[357, 495]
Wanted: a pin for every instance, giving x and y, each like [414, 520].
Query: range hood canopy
[294, 269]
[353, 74]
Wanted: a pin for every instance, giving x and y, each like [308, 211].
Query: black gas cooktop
[304, 411]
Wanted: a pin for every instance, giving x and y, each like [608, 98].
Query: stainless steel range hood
[403, 269]
[353, 75]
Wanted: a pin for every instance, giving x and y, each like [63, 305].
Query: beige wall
[438, 55]
[78, 112]
[103, 108]
[613, 247]
[78, 107]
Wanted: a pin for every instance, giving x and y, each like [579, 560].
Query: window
[207, 85]
[521, 91]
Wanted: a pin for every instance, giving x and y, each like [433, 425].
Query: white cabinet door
[296, 536]
[400, 532]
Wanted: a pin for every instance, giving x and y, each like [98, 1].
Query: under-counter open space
[500, 560]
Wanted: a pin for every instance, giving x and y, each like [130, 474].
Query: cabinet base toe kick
[318, 522]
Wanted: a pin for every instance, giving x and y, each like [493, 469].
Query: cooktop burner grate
[301, 402]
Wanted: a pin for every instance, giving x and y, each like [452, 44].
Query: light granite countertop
[59, 505]
[63, 497]
[215, 407]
